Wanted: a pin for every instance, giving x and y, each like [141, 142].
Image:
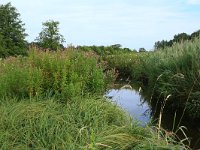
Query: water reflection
[141, 108]
[131, 101]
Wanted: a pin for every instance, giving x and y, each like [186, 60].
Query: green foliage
[162, 44]
[87, 123]
[193, 104]
[105, 50]
[181, 37]
[62, 73]
[174, 71]
[49, 37]
[47, 102]
[124, 64]
[142, 50]
[12, 32]
[3, 50]
[18, 80]
[171, 71]
[195, 34]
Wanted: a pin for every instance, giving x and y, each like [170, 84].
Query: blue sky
[132, 23]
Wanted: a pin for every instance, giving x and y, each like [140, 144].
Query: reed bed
[81, 123]
[53, 100]
[173, 71]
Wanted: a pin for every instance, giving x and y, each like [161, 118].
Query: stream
[132, 101]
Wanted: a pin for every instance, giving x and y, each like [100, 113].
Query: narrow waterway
[132, 102]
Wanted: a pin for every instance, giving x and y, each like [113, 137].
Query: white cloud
[194, 2]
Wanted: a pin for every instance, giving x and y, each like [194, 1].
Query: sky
[131, 23]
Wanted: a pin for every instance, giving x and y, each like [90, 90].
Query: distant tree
[134, 50]
[127, 49]
[177, 39]
[49, 37]
[162, 44]
[195, 34]
[106, 50]
[116, 46]
[157, 45]
[12, 32]
[142, 50]
[170, 43]
[181, 37]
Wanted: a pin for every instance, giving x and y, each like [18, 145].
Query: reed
[53, 100]
[171, 71]
[179, 66]
[81, 123]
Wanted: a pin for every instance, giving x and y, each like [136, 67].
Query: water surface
[131, 101]
[134, 104]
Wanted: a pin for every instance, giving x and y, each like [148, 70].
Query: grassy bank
[53, 100]
[171, 74]
[84, 123]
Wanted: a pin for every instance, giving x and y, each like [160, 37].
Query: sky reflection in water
[130, 100]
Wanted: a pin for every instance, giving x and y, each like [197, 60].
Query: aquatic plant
[171, 71]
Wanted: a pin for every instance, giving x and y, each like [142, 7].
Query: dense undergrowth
[81, 123]
[49, 100]
[62, 74]
[172, 73]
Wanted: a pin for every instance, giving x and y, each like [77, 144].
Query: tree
[116, 46]
[142, 50]
[195, 34]
[161, 44]
[3, 49]
[181, 37]
[49, 37]
[12, 32]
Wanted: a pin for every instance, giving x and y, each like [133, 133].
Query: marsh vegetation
[51, 96]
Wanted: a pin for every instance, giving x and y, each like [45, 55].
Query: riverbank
[84, 123]
[171, 73]
[53, 100]
[169, 78]
[137, 104]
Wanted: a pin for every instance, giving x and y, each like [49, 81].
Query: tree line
[12, 34]
[178, 38]
[12, 37]
[13, 42]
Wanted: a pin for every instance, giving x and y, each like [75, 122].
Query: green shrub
[62, 73]
[173, 71]
[125, 64]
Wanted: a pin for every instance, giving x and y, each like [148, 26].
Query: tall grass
[171, 71]
[63, 73]
[178, 69]
[48, 100]
[126, 65]
[82, 123]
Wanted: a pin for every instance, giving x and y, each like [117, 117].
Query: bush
[62, 73]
